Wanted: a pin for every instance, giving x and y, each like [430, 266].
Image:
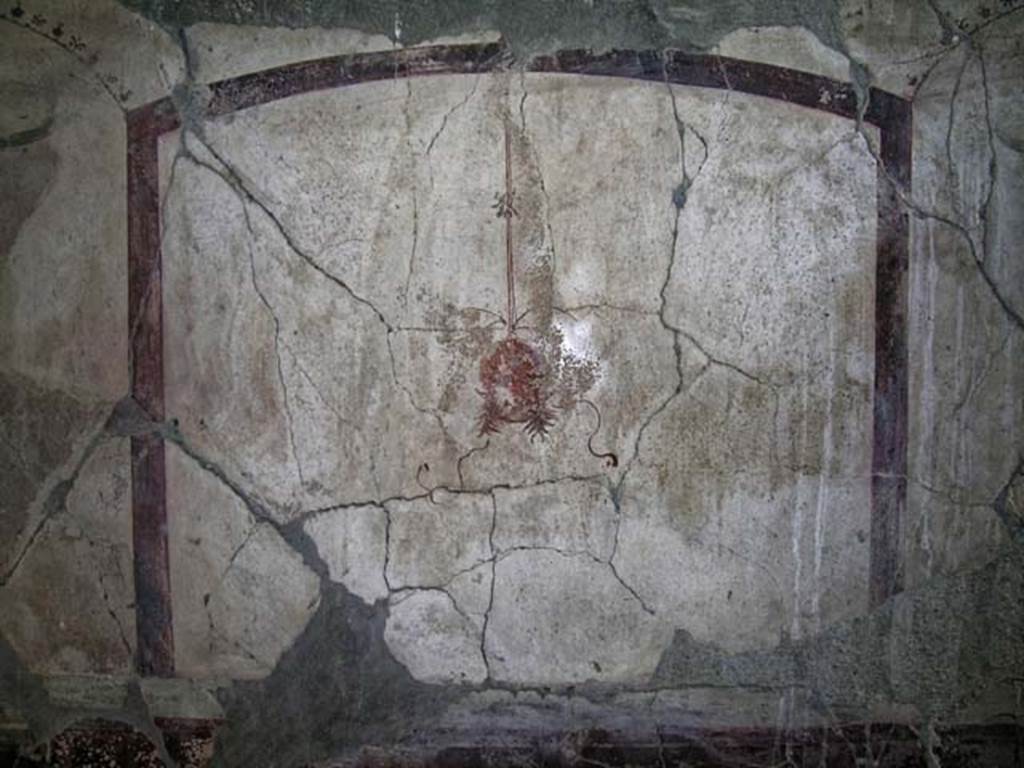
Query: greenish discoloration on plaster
[338, 688]
[933, 649]
[528, 26]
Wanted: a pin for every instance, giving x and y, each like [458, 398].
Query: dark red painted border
[890, 114]
[153, 625]
[889, 454]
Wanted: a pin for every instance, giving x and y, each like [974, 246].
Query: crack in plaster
[679, 199]
[497, 554]
[434, 413]
[277, 348]
[445, 584]
[490, 599]
[415, 243]
[1001, 503]
[415, 197]
[466, 456]
[123, 636]
[1002, 495]
[358, 429]
[951, 171]
[974, 382]
[55, 501]
[387, 546]
[291, 533]
[502, 554]
[522, 99]
[529, 144]
[993, 165]
[447, 115]
[426, 495]
[216, 636]
[235, 180]
[275, 319]
[1015, 318]
[922, 212]
[410, 590]
[679, 388]
[238, 550]
[957, 37]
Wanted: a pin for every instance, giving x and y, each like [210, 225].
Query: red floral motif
[513, 382]
[523, 383]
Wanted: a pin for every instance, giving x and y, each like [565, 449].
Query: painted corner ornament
[527, 383]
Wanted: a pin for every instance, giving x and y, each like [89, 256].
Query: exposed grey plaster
[336, 689]
[529, 27]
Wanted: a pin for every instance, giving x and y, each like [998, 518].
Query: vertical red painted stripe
[154, 632]
[889, 456]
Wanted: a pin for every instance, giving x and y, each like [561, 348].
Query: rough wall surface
[511, 416]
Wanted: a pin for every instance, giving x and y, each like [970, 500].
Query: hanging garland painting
[529, 377]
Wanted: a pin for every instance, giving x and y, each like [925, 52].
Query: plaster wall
[357, 558]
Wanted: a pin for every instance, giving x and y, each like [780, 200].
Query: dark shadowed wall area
[542, 383]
